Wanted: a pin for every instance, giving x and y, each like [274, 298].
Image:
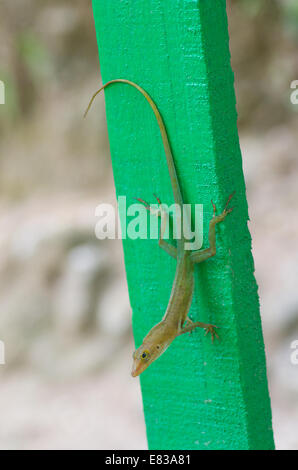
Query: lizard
[175, 321]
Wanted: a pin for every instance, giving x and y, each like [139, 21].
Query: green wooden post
[198, 395]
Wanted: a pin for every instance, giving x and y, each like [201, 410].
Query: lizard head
[144, 356]
[154, 344]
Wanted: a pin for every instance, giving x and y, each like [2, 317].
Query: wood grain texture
[198, 395]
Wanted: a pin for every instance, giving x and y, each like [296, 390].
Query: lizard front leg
[190, 326]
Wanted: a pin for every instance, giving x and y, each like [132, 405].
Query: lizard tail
[163, 132]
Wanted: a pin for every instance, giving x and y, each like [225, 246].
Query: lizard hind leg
[202, 255]
[226, 211]
[167, 247]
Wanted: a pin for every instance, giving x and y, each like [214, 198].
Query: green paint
[197, 395]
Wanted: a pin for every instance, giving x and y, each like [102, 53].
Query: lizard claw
[158, 199]
[143, 202]
[211, 329]
[214, 208]
[226, 211]
[157, 212]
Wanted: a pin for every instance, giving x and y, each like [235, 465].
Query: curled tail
[163, 132]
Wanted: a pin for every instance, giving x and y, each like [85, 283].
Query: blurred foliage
[290, 12]
[263, 41]
[49, 64]
[48, 45]
[35, 55]
[287, 11]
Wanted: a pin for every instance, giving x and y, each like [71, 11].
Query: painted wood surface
[198, 395]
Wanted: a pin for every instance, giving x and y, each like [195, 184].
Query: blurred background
[64, 309]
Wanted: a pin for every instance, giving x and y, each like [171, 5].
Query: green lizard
[175, 321]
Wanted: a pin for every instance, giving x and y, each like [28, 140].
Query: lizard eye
[145, 355]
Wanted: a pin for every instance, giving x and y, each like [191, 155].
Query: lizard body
[175, 321]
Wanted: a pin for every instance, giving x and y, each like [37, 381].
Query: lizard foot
[211, 329]
[226, 211]
[157, 212]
